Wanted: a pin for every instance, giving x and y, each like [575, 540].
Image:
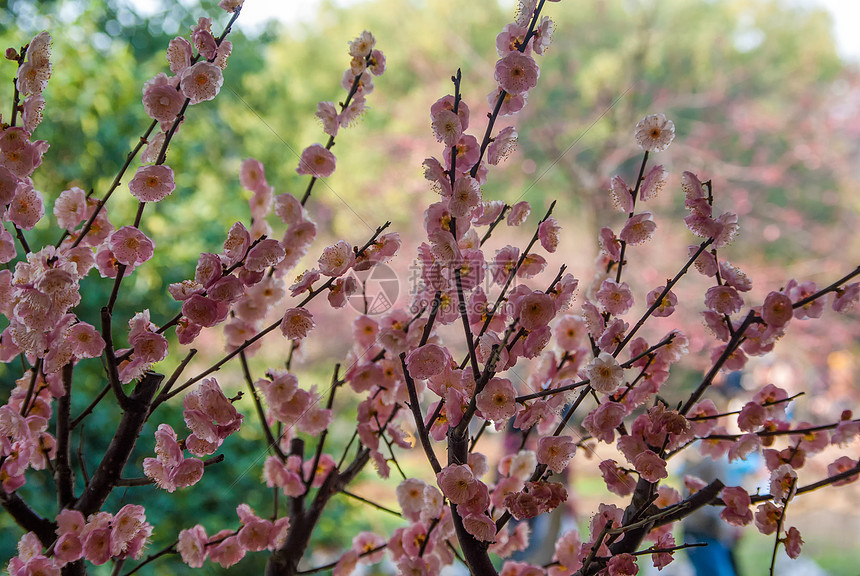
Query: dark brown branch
[495, 223]
[333, 564]
[581, 383]
[692, 503]
[121, 446]
[88, 410]
[832, 288]
[335, 380]
[662, 295]
[731, 347]
[115, 184]
[464, 316]
[285, 560]
[541, 468]
[27, 518]
[733, 412]
[169, 549]
[178, 371]
[779, 525]
[111, 362]
[34, 377]
[501, 297]
[343, 106]
[63, 476]
[475, 552]
[635, 193]
[371, 503]
[261, 414]
[501, 98]
[423, 436]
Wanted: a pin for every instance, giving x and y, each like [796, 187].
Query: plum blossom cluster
[197, 77]
[97, 539]
[366, 62]
[228, 547]
[32, 78]
[24, 439]
[211, 417]
[23, 205]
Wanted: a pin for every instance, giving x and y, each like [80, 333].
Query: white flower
[605, 373]
[337, 259]
[654, 133]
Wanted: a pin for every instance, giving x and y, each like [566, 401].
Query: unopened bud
[11, 54]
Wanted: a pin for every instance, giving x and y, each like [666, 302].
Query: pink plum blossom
[265, 254]
[767, 517]
[609, 243]
[316, 161]
[297, 323]
[519, 213]
[567, 550]
[8, 185]
[737, 510]
[556, 452]
[618, 481]
[70, 209]
[446, 126]
[638, 229]
[536, 310]
[650, 466]
[548, 232]
[782, 481]
[619, 192]
[793, 542]
[161, 100]
[480, 526]
[427, 361]
[227, 552]
[466, 153]
[846, 298]
[465, 197]
[615, 298]
[152, 183]
[777, 309]
[410, 496]
[666, 306]
[511, 103]
[201, 82]
[497, 400]
[457, 482]
[511, 38]
[192, 546]
[327, 113]
[517, 73]
[336, 259]
[841, 465]
[622, 565]
[603, 421]
[130, 246]
[502, 145]
[27, 206]
[723, 300]
[653, 183]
